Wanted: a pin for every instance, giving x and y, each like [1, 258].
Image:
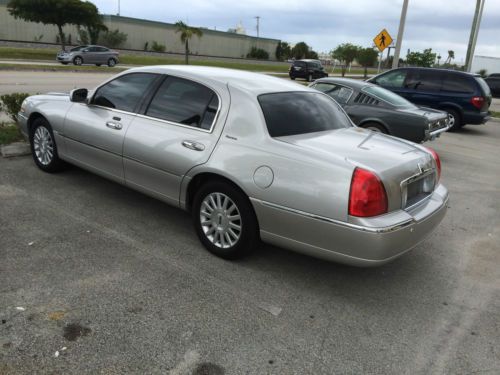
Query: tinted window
[125, 92]
[392, 79]
[79, 48]
[457, 83]
[185, 102]
[484, 85]
[387, 96]
[300, 63]
[291, 113]
[101, 49]
[425, 80]
[341, 94]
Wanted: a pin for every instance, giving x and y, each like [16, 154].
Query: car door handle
[114, 125]
[192, 145]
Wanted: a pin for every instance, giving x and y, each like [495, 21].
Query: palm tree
[451, 55]
[187, 32]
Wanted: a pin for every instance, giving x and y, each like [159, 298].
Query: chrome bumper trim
[391, 228]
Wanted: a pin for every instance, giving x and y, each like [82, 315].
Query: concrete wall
[212, 43]
[491, 64]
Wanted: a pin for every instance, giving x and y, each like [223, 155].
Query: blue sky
[437, 24]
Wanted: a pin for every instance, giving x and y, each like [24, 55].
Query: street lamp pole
[399, 41]
[473, 34]
[118, 8]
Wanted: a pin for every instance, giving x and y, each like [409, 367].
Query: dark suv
[307, 69]
[493, 80]
[465, 96]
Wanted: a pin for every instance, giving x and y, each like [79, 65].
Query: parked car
[250, 157]
[465, 96]
[307, 69]
[90, 54]
[372, 107]
[493, 81]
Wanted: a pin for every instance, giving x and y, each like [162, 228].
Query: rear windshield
[484, 86]
[387, 96]
[291, 113]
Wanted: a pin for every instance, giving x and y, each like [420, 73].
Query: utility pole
[118, 8]
[258, 19]
[399, 41]
[473, 34]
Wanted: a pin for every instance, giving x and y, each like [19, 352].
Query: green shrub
[258, 53]
[112, 39]
[157, 47]
[11, 104]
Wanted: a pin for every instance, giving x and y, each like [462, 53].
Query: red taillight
[367, 196]
[477, 101]
[437, 160]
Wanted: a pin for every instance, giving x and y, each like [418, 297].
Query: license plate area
[417, 188]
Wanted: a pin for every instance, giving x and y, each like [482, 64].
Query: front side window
[125, 92]
[291, 113]
[185, 102]
[392, 79]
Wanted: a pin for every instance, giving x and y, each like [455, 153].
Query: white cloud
[323, 24]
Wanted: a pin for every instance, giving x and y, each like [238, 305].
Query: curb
[15, 149]
[495, 119]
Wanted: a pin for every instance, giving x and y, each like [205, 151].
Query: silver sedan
[251, 157]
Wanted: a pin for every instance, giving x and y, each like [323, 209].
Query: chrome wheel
[43, 145]
[220, 220]
[451, 120]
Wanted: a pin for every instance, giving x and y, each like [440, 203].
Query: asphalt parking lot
[96, 278]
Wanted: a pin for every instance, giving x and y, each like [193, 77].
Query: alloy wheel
[220, 220]
[43, 145]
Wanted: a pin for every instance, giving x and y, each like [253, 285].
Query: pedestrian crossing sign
[382, 40]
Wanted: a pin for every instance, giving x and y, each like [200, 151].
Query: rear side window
[185, 102]
[425, 80]
[341, 94]
[125, 92]
[291, 113]
[458, 83]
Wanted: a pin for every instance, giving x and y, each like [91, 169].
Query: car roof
[353, 83]
[255, 83]
[439, 70]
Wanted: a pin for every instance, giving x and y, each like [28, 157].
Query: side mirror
[78, 95]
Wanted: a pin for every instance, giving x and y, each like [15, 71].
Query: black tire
[292, 78]
[111, 62]
[454, 118]
[98, 64]
[373, 126]
[248, 234]
[39, 145]
[77, 61]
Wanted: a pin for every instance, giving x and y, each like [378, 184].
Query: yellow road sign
[382, 40]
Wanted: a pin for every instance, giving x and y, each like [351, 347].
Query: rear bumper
[359, 242]
[476, 118]
[430, 136]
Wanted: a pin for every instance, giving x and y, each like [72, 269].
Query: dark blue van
[465, 96]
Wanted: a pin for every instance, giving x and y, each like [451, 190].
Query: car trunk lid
[398, 163]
